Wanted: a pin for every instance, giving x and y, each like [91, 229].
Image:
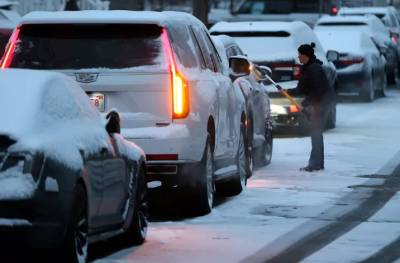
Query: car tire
[204, 192]
[393, 77]
[249, 149]
[382, 90]
[237, 183]
[263, 154]
[75, 246]
[369, 94]
[137, 231]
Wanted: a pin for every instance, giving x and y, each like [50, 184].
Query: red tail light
[394, 37]
[351, 61]
[334, 10]
[9, 53]
[180, 87]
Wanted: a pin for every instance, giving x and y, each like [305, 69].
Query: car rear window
[342, 24]
[4, 36]
[253, 33]
[279, 7]
[70, 46]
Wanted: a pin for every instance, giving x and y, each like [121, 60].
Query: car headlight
[278, 110]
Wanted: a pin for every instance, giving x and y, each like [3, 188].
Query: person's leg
[316, 160]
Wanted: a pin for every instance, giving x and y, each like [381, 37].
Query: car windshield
[4, 36]
[66, 46]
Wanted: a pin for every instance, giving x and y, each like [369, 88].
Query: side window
[214, 53]
[183, 45]
[204, 50]
[230, 51]
[197, 49]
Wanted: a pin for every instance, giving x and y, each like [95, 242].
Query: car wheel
[263, 154]
[236, 185]
[382, 91]
[249, 150]
[393, 77]
[75, 246]
[369, 94]
[204, 197]
[137, 231]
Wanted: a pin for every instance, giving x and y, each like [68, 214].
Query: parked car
[163, 73]
[371, 25]
[67, 177]
[387, 14]
[360, 66]
[274, 44]
[259, 120]
[270, 10]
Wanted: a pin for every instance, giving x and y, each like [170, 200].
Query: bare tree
[200, 10]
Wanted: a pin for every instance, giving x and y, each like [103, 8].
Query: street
[346, 213]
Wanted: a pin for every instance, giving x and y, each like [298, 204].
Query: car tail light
[9, 53]
[350, 61]
[334, 10]
[162, 157]
[180, 87]
[394, 37]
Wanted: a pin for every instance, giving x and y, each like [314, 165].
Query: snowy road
[347, 213]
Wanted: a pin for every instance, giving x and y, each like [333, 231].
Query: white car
[163, 74]
[373, 27]
[8, 21]
[274, 44]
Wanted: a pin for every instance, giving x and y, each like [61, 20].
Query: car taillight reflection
[180, 87]
[348, 61]
[9, 53]
[394, 37]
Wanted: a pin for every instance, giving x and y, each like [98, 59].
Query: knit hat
[307, 49]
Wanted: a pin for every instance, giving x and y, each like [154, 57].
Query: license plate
[97, 100]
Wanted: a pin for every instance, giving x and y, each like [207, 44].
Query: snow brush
[284, 93]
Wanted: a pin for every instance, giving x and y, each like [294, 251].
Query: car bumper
[185, 142]
[289, 121]
[351, 84]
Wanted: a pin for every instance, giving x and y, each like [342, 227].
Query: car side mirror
[240, 66]
[332, 55]
[113, 122]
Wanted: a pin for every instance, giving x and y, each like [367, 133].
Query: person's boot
[309, 168]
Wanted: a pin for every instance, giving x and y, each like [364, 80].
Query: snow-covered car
[387, 14]
[374, 27]
[259, 119]
[360, 66]
[274, 44]
[8, 21]
[67, 177]
[283, 10]
[164, 75]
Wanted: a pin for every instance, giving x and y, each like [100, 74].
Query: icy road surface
[347, 213]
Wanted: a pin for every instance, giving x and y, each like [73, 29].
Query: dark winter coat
[313, 84]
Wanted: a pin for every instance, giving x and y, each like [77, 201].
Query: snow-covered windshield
[73, 46]
[264, 46]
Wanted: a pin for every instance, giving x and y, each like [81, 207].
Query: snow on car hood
[48, 112]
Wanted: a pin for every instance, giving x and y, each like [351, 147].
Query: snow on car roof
[113, 16]
[49, 112]
[258, 26]
[363, 10]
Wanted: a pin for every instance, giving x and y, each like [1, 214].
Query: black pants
[318, 119]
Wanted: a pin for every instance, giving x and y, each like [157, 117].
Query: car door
[115, 186]
[94, 171]
[232, 112]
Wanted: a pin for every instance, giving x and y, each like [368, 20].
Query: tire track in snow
[350, 211]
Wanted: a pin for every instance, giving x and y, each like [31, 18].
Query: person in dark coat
[319, 95]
